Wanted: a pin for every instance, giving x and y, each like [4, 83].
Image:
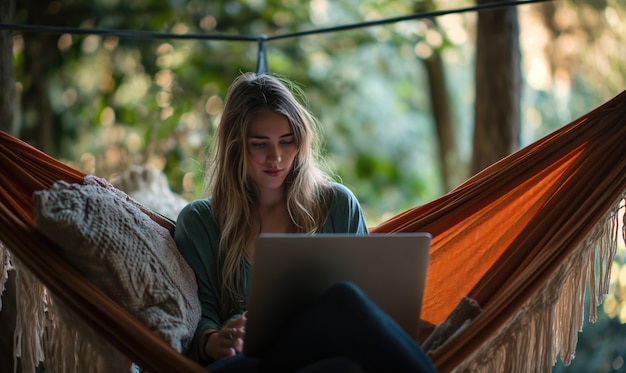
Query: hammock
[521, 238]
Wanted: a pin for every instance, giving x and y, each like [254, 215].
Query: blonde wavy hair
[234, 196]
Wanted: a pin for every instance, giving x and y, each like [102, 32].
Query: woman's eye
[257, 145]
[286, 142]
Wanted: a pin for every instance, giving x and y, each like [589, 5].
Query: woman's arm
[196, 238]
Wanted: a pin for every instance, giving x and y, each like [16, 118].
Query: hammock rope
[249, 38]
[261, 40]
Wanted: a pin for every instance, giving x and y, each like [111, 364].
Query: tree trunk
[497, 116]
[7, 82]
[451, 173]
[40, 55]
[448, 154]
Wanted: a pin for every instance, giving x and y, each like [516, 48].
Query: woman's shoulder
[200, 208]
[195, 222]
[344, 212]
[198, 205]
[340, 192]
[340, 198]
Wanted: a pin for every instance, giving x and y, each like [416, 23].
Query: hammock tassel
[547, 326]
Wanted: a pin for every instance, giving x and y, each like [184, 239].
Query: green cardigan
[197, 236]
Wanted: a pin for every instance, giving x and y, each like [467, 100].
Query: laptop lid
[291, 270]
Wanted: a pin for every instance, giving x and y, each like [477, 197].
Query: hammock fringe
[6, 265]
[48, 332]
[74, 347]
[546, 326]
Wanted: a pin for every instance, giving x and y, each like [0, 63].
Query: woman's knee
[345, 289]
[347, 294]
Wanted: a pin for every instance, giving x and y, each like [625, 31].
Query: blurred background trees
[409, 110]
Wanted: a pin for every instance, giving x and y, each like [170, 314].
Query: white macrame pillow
[125, 253]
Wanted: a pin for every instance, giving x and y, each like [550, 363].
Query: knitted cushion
[125, 253]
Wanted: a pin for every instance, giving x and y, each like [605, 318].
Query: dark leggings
[344, 331]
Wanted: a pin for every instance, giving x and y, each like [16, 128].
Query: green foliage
[129, 100]
[158, 100]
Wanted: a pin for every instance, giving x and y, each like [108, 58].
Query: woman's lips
[273, 172]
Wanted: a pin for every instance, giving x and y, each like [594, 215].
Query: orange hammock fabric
[505, 238]
[504, 232]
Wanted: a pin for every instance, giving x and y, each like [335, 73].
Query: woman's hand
[227, 341]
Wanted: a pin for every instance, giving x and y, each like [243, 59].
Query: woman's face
[271, 150]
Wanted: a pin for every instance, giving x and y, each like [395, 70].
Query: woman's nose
[273, 154]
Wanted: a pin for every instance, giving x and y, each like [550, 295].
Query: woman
[264, 178]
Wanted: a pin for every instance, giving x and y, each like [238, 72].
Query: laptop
[291, 270]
